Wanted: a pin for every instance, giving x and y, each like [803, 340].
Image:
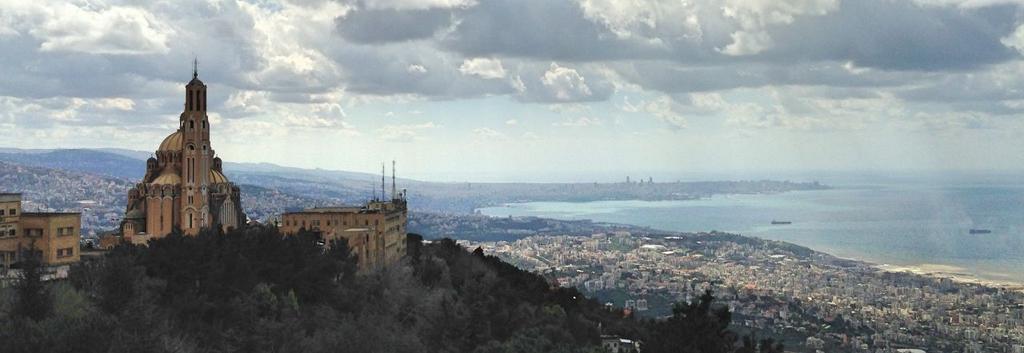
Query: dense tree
[697, 327]
[33, 298]
[255, 290]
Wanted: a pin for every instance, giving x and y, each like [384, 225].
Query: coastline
[954, 273]
[925, 244]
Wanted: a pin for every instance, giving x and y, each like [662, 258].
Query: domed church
[184, 187]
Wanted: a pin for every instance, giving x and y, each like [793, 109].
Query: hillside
[254, 290]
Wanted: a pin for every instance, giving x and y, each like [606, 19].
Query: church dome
[172, 142]
[217, 177]
[167, 178]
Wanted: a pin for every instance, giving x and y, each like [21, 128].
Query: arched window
[204, 124]
[191, 124]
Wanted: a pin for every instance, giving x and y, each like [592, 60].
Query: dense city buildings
[375, 232]
[52, 236]
[811, 301]
[184, 186]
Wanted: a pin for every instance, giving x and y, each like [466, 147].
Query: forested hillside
[254, 290]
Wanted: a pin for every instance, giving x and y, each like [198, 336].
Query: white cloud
[124, 104]
[650, 20]
[511, 122]
[755, 16]
[1015, 40]
[247, 101]
[483, 67]
[88, 28]
[662, 109]
[748, 43]
[565, 84]
[313, 121]
[416, 69]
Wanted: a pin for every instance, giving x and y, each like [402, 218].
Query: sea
[893, 222]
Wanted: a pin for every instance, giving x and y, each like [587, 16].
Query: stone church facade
[184, 187]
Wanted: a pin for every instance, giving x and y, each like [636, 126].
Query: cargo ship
[980, 231]
[774, 222]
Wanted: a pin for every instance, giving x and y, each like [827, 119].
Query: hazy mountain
[355, 187]
[78, 160]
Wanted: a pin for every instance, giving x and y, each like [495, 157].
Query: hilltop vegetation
[254, 290]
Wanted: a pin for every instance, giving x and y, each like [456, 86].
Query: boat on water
[980, 231]
[774, 222]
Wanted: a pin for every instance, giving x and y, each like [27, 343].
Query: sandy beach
[954, 273]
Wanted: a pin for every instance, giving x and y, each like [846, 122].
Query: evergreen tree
[34, 299]
[697, 327]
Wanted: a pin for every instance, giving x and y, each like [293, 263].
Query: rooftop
[10, 195]
[339, 209]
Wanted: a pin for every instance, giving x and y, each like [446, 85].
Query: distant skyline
[532, 90]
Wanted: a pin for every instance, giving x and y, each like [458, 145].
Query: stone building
[184, 187]
[376, 232]
[54, 237]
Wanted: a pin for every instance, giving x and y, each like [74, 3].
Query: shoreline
[954, 273]
[960, 273]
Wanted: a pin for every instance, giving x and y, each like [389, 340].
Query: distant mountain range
[354, 187]
[122, 163]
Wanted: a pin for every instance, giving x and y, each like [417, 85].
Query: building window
[65, 231]
[12, 233]
[66, 252]
[1, 212]
[191, 124]
[14, 212]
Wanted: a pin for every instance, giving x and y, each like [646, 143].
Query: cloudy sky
[530, 89]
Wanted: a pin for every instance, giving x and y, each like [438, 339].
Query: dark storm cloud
[417, 50]
[407, 69]
[898, 35]
[539, 29]
[390, 25]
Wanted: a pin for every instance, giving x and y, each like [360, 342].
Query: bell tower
[197, 156]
